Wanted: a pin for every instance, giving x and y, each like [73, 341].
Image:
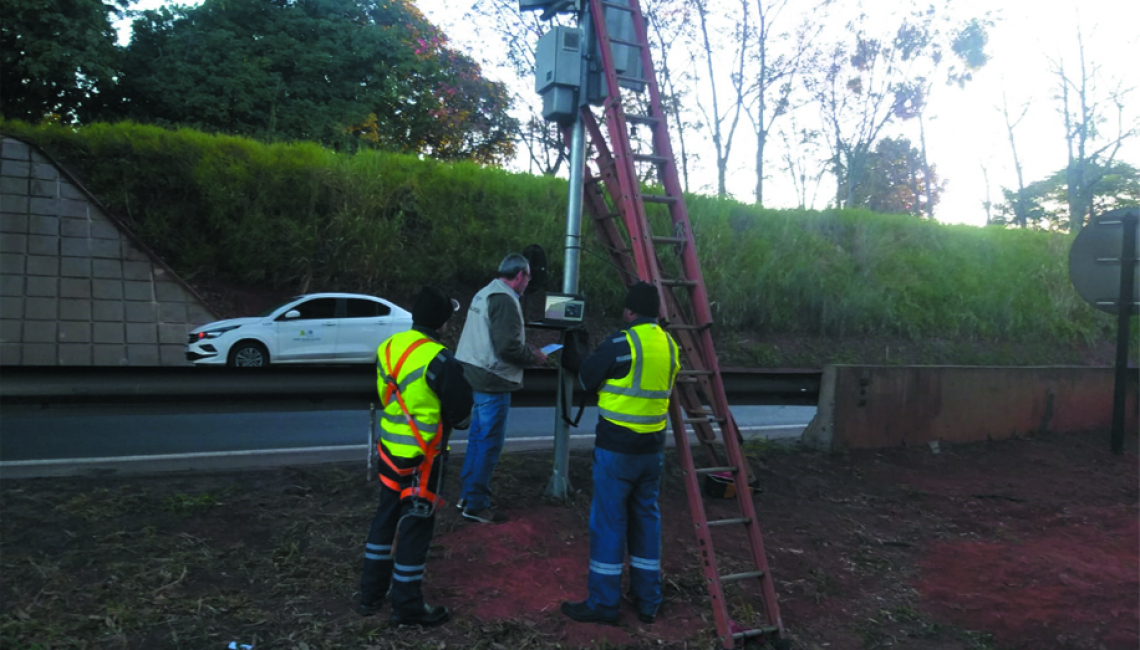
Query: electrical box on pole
[558, 73]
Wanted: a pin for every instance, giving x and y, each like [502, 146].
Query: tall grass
[296, 216]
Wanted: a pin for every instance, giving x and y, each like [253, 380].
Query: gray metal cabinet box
[558, 59]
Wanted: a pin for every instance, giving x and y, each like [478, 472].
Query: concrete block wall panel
[888, 406]
[75, 288]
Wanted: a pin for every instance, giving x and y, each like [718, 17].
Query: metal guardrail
[284, 387]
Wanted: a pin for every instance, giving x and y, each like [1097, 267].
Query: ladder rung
[758, 631]
[714, 470]
[611, 215]
[659, 198]
[703, 420]
[729, 522]
[680, 283]
[632, 80]
[635, 118]
[688, 327]
[690, 373]
[669, 240]
[615, 5]
[687, 380]
[644, 157]
[733, 577]
[619, 41]
[699, 412]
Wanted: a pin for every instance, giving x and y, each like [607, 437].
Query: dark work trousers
[398, 545]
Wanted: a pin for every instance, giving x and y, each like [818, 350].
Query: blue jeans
[624, 516]
[484, 444]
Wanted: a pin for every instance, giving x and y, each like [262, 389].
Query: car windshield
[276, 307]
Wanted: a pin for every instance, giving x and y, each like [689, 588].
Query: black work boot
[431, 616]
[368, 607]
[582, 613]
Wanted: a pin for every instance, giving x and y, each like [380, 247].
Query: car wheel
[249, 354]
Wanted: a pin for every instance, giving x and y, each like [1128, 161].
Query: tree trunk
[925, 168]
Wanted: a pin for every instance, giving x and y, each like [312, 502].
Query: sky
[965, 129]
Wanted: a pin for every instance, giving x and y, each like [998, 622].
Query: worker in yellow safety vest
[633, 370]
[424, 396]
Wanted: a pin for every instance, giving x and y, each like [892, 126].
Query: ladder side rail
[670, 178]
[608, 173]
[686, 397]
[595, 203]
[704, 534]
[731, 439]
[632, 208]
[610, 236]
[608, 177]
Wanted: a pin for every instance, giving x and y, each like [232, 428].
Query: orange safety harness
[421, 473]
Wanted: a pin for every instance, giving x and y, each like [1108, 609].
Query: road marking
[290, 450]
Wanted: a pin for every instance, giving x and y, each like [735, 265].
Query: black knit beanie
[432, 308]
[643, 300]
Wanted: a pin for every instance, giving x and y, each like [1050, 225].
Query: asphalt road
[68, 440]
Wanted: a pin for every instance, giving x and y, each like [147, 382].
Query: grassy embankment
[789, 287]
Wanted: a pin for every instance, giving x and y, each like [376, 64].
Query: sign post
[1103, 269]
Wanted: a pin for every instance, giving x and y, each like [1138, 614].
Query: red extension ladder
[631, 232]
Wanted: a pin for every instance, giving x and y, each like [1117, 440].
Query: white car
[315, 328]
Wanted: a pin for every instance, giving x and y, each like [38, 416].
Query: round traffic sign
[1095, 267]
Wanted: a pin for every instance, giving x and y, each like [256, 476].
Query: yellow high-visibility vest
[420, 401]
[640, 400]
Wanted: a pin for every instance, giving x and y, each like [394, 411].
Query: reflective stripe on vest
[396, 433]
[640, 400]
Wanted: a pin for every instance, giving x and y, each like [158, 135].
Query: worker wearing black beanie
[419, 382]
[432, 308]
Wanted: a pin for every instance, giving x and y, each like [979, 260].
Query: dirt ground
[1029, 543]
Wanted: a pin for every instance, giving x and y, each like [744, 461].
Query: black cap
[643, 300]
[432, 308]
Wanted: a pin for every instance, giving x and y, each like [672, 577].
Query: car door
[311, 336]
[363, 329]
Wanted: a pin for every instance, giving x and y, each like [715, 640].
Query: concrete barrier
[886, 406]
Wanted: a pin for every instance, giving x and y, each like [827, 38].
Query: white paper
[552, 348]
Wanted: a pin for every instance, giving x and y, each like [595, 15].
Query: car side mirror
[292, 313]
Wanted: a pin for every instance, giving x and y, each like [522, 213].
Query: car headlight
[215, 333]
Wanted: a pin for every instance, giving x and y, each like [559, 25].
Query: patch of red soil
[1045, 555]
[522, 571]
[1069, 587]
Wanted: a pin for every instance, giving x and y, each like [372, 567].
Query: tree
[1091, 150]
[797, 152]
[667, 21]
[57, 57]
[1045, 203]
[1020, 205]
[345, 73]
[773, 73]
[515, 34]
[880, 78]
[895, 180]
[722, 125]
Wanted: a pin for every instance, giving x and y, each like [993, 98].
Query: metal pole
[559, 487]
[371, 440]
[1124, 306]
[574, 205]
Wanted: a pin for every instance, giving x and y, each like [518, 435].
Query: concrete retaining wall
[885, 406]
[75, 288]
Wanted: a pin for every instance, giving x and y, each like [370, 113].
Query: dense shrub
[299, 217]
